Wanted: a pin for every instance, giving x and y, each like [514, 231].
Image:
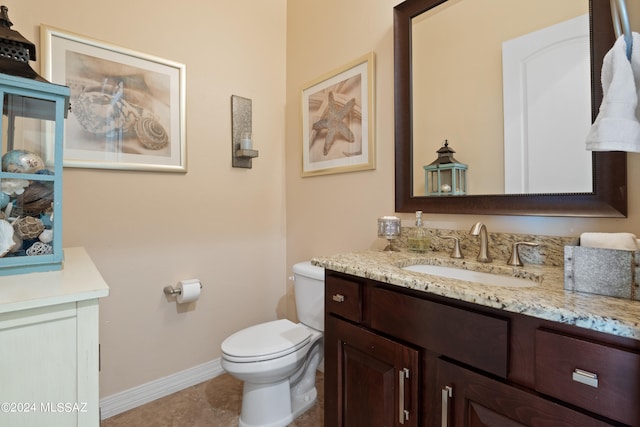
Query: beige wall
[337, 213]
[220, 224]
[234, 228]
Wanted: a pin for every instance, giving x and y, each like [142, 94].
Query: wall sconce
[445, 176]
[241, 143]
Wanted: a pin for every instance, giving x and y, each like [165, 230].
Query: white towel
[617, 126]
[623, 241]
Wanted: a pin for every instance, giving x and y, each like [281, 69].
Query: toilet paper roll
[189, 291]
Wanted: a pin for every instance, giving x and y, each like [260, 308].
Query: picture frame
[338, 132]
[127, 108]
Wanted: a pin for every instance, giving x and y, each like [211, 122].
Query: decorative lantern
[32, 123]
[445, 176]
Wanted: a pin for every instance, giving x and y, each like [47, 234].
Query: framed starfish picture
[337, 120]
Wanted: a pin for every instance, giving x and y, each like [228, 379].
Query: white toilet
[277, 360]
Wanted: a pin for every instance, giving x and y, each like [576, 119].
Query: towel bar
[621, 23]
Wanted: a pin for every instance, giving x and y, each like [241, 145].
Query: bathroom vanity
[49, 345]
[409, 349]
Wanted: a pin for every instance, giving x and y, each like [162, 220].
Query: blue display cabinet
[32, 123]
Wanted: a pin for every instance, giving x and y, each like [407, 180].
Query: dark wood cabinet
[448, 363]
[378, 378]
[470, 399]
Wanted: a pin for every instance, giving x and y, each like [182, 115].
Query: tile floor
[213, 403]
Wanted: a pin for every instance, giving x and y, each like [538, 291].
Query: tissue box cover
[608, 272]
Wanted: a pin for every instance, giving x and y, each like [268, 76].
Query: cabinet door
[370, 380]
[49, 366]
[470, 399]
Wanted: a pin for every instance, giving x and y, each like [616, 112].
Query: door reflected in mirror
[512, 95]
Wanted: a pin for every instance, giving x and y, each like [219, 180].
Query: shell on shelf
[39, 248]
[22, 161]
[37, 198]
[6, 237]
[13, 187]
[28, 227]
[46, 236]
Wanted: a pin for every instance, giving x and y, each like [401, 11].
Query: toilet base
[277, 404]
[304, 402]
[273, 405]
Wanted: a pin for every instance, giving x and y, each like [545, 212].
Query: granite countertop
[547, 299]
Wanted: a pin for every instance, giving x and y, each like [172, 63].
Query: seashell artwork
[6, 238]
[39, 248]
[102, 113]
[108, 110]
[22, 161]
[28, 227]
[151, 133]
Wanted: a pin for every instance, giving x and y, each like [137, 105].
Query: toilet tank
[309, 292]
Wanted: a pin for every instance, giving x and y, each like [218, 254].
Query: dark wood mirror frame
[609, 198]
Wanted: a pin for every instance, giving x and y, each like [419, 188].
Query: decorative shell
[22, 161]
[46, 236]
[18, 240]
[28, 227]
[4, 200]
[13, 187]
[39, 248]
[36, 199]
[6, 238]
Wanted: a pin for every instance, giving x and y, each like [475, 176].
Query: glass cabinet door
[31, 176]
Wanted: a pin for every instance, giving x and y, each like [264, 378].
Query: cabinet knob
[338, 298]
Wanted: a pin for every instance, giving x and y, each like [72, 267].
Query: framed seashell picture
[127, 107]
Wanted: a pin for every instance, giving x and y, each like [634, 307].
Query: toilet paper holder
[171, 291]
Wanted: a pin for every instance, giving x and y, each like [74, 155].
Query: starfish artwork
[333, 122]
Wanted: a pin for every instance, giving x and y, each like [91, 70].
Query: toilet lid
[266, 340]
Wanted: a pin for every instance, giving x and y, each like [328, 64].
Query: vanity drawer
[343, 297]
[594, 376]
[473, 338]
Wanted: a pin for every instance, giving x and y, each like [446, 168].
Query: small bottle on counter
[419, 239]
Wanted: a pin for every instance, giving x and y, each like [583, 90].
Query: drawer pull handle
[585, 377]
[403, 414]
[447, 393]
[338, 298]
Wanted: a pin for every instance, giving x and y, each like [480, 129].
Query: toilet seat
[265, 341]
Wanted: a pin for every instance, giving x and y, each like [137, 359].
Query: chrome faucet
[479, 229]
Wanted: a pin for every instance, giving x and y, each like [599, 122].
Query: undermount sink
[471, 276]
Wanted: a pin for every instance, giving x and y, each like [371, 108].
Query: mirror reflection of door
[547, 110]
[457, 88]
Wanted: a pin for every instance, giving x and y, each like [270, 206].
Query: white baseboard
[145, 393]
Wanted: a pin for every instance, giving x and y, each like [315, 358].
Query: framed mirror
[608, 195]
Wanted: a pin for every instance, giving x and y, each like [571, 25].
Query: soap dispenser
[419, 240]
